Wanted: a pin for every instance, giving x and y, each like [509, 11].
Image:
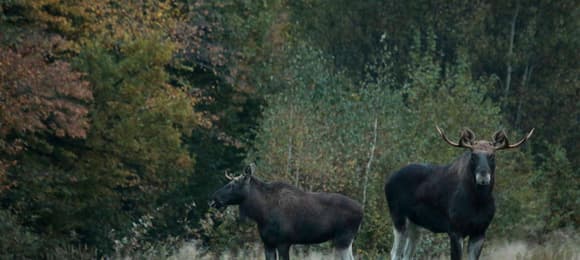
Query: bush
[16, 241]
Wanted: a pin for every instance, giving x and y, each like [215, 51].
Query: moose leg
[412, 235]
[456, 242]
[284, 251]
[350, 255]
[475, 246]
[270, 252]
[399, 236]
[343, 244]
[344, 252]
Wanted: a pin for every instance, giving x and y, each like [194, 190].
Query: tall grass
[558, 247]
[255, 251]
[568, 249]
[522, 250]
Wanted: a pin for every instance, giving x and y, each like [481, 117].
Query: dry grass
[192, 251]
[523, 250]
[554, 250]
[556, 246]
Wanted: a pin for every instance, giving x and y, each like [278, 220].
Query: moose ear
[248, 172]
[467, 137]
[250, 169]
[499, 138]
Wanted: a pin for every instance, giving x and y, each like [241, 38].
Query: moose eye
[473, 158]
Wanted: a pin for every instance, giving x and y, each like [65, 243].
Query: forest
[118, 119]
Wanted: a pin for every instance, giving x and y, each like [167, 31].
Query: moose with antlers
[287, 215]
[455, 199]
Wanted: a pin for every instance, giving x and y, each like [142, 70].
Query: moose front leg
[475, 246]
[456, 242]
[284, 251]
[270, 252]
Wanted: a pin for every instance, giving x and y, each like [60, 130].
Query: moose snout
[483, 178]
[211, 203]
[215, 202]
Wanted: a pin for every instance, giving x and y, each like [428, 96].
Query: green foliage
[17, 241]
[318, 133]
[138, 124]
[133, 155]
[522, 205]
[559, 184]
[137, 115]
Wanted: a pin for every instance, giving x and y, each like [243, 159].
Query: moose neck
[477, 193]
[254, 205]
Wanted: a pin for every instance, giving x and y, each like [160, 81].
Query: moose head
[235, 191]
[482, 152]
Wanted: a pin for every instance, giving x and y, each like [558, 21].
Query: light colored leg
[350, 252]
[344, 253]
[474, 247]
[398, 243]
[412, 235]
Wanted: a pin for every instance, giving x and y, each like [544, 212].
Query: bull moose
[287, 215]
[455, 199]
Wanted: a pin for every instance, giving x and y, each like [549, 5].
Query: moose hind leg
[412, 238]
[475, 246]
[399, 237]
[343, 245]
[344, 252]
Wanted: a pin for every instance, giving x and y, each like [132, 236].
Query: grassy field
[553, 250]
[559, 246]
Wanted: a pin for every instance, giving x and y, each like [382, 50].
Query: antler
[506, 145]
[464, 141]
[228, 176]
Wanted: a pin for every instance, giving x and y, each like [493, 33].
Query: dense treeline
[118, 119]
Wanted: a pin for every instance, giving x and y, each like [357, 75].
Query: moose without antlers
[287, 215]
[455, 199]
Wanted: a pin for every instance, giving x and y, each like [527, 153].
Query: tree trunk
[510, 54]
[290, 144]
[368, 168]
[525, 79]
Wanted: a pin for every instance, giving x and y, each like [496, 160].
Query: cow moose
[287, 215]
[455, 199]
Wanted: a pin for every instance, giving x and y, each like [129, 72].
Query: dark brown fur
[287, 215]
[455, 199]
